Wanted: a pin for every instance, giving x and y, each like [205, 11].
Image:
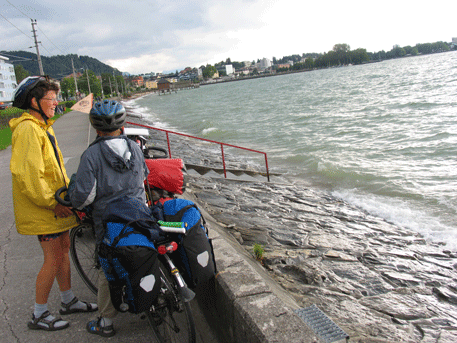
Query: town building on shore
[7, 80]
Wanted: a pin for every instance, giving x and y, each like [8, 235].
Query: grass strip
[5, 131]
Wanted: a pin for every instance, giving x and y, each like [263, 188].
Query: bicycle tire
[82, 251]
[171, 318]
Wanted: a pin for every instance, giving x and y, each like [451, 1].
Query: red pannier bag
[167, 174]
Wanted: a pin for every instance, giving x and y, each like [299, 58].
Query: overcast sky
[141, 36]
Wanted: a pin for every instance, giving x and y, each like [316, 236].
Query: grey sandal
[41, 323]
[67, 310]
[94, 327]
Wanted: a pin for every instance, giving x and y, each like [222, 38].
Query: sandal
[41, 323]
[94, 327]
[67, 310]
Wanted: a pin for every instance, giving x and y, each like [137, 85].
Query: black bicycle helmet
[107, 115]
[24, 88]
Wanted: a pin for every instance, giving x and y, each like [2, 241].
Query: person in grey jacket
[111, 168]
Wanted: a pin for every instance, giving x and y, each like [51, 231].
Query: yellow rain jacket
[36, 177]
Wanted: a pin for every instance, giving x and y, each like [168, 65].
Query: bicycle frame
[186, 293]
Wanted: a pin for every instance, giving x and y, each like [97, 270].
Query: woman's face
[48, 103]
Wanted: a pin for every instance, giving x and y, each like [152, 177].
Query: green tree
[121, 84]
[107, 82]
[340, 54]
[83, 84]
[209, 71]
[238, 65]
[398, 51]
[67, 86]
[359, 56]
[309, 63]
[341, 48]
[20, 72]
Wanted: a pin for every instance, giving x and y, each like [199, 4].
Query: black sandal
[49, 325]
[67, 310]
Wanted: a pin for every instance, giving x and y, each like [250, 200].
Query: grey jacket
[110, 168]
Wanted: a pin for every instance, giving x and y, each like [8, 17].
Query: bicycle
[170, 316]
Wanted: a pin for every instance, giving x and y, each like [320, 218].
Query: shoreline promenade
[245, 305]
[21, 259]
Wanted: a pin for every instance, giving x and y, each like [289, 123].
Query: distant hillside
[57, 66]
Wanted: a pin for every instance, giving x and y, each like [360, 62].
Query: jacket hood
[26, 116]
[120, 163]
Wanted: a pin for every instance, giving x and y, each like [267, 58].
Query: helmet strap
[40, 111]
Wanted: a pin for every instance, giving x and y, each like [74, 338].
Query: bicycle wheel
[82, 250]
[171, 318]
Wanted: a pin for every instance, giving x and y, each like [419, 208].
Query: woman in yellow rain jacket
[38, 170]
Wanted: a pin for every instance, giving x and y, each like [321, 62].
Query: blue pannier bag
[196, 257]
[129, 260]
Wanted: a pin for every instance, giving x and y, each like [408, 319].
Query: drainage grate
[321, 324]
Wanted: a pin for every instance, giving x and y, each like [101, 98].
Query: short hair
[39, 91]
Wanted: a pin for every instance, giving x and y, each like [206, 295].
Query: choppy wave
[380, 136]
[208, 130]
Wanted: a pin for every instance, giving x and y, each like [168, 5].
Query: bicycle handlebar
[173, 227]
[59, 199]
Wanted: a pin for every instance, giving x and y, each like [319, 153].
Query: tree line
[58, 66]
[104, 85]
[98, 76]
[341, 54]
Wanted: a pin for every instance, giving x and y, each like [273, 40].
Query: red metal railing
[167, 132]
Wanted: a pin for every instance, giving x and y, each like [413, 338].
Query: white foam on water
[401, 213]
[208, 130]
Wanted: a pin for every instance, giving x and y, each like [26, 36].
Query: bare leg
[52, 266]
[64, 272]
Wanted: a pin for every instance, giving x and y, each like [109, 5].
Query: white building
[229, 70]
[7, 80]
[454, 41]
[264, 63]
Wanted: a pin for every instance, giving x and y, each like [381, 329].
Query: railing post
[268, 171]
[168, 142]
[223, 160]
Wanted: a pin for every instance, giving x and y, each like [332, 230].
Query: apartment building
[138, 81]
[7, 80]
[150, 84]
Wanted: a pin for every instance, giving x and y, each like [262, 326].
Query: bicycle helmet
[33, 87]
[24, 88]
[107, 115]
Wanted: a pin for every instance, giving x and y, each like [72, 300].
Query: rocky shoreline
[377, 281]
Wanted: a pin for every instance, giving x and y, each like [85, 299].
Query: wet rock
[377, 281]
[400, 279]
[339, 256]
[238, 237]
[446, 294]
[401, 306]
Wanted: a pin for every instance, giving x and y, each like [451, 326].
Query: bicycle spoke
[82, 251]
[171, 319]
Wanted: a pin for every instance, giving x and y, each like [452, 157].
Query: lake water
[381, 136]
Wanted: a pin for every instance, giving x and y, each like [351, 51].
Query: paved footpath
[21, 258]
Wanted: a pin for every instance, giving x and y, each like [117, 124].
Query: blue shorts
[50, 237]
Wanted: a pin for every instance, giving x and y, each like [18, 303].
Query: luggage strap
[178, 215]
[137, 230]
